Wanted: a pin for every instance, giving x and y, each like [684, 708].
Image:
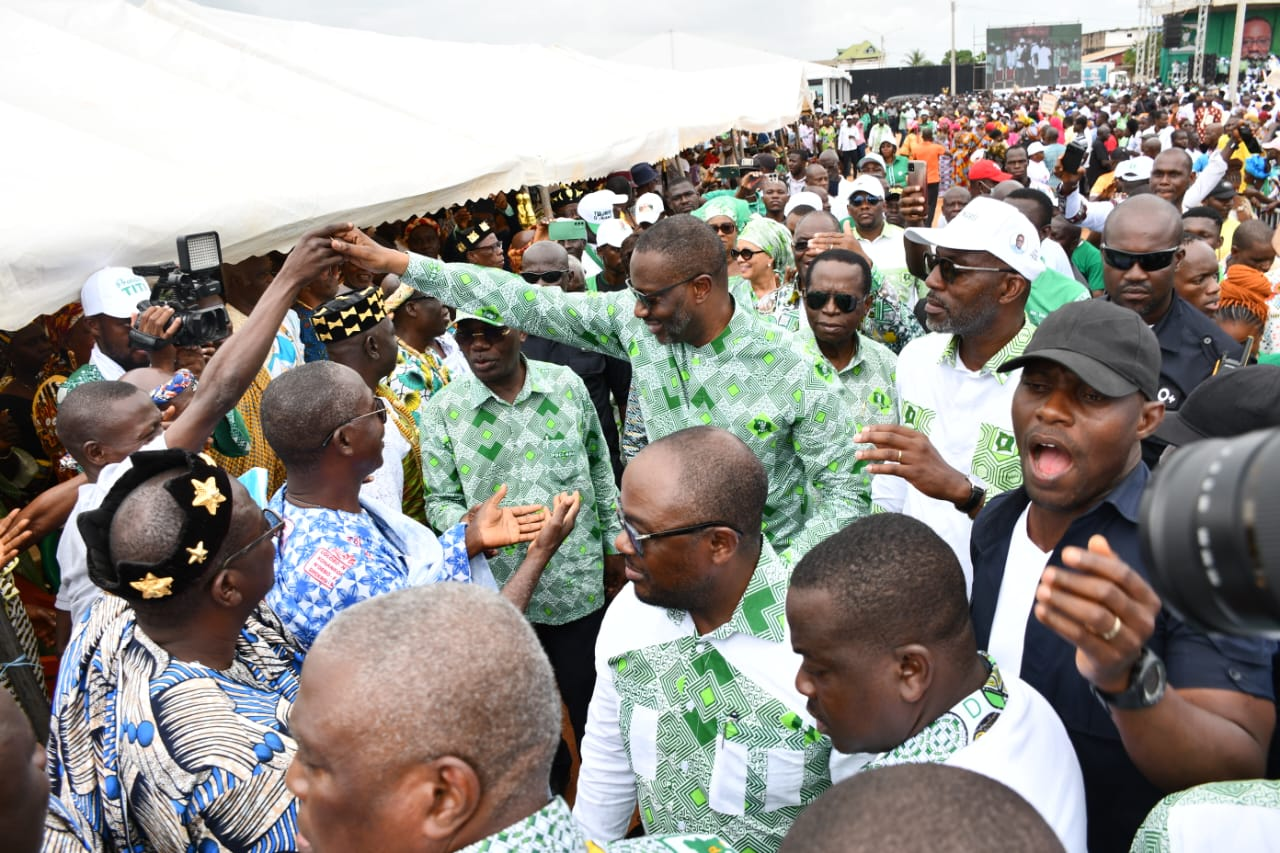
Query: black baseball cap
[1107, 346]
[1231, 403]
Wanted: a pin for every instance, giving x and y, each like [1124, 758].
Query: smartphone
[1073, 156]
[727, 172]
[917, 173]
[575, 230]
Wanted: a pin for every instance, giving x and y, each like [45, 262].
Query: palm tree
[916, 58]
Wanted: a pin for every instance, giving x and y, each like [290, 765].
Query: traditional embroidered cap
[348, 314]
[468, 238]
[398, 297]
[560, 196]
[202, 491]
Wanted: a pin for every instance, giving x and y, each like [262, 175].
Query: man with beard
[699, 625]
[697, 357]
[110, 298]
[682, 197]
[1061, 596]
[955, 446]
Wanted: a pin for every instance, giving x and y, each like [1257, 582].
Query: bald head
[302, 406]
[1002, 190]
[687, 246]
[882, 810]
[1146, 213]
[500, 712]
[718, 474]
[544, 256]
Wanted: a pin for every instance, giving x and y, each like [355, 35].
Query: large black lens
[1210, 525]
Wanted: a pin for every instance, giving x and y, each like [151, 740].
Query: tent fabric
[129, 125]
[686, 52]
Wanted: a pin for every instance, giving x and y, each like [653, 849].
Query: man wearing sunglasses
[608, 379]
[698, 358]
[339, 547]
[531, 425]
[696, 688]
[1141, 250]
[955, 447]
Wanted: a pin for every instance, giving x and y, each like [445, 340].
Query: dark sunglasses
[493, 247]
[859, 199]
[550, 276]
[379, 410]
[491, 334]
[725, 227]
[635, 537]
[847, 303]
[948, 268]
[275, 524]
[748, 254]
[648, 300]
[1149, 261]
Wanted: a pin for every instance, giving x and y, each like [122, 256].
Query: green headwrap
[734, 208]
[774, 238]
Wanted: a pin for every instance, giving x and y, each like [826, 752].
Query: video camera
[182, 286]
[1210, 533]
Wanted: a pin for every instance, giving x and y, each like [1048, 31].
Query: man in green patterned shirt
[697, 358]
[531, 425]
[411, 741]
[696, 714]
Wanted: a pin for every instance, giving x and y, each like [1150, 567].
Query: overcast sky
[804, 29]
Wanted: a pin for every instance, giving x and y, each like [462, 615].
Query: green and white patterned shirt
[552, 829]
[707, 732]
[547, 441]
[1237, 815]
[966, 415]
[752, 380]
[869, 380]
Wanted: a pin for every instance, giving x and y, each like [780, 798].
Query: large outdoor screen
[1019, 57]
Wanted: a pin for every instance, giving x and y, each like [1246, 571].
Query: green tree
[916, 58]
[963, 57]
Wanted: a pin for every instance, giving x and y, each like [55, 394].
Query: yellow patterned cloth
[413, 503]
[260, 454]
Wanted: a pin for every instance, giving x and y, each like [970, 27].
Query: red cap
[985, 170]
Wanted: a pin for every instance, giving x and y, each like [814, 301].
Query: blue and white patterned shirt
[327, 560]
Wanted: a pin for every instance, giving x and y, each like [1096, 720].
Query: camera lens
[1211, 535]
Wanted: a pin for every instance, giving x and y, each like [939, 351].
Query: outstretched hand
[564, 513]
[496, 526]
[360, 249]
[14, 536]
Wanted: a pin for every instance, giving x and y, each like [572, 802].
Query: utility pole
[1237, 43]
[953, 48]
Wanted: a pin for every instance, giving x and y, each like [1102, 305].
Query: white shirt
[77, 592]
[887, 251]
[1055, 257]
[1022, 570]
[454, 360]
[387, 486]
[106, 364]
[1028, 750]
[966, 415]
[847, 140]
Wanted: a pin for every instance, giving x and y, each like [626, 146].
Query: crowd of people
[782, 495]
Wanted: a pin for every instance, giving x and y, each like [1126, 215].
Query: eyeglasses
[635, 537]
[550, 276]
[275, 524]
[648, 300]
[847, 303]
[491, 334]
[379, 410]
[1149, 261]
[948, 268]
[492, 247]
[859, 199]
[748, 254]
[726, 227]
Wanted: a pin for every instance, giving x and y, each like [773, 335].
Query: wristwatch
[977, 494]
[1146, 685]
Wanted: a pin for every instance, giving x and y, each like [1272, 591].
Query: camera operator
[1236, 815]
[110, 299]
[1100, 641]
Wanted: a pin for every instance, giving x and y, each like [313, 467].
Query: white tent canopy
[127, 126]
[686, 52]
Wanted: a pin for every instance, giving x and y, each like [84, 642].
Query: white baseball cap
[1134, 169]
[598, 206]
[1035, 148]
[866, 184]
[987, 225]
[612, 232]
[114, 291]
[649, 208]
[803, 198]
